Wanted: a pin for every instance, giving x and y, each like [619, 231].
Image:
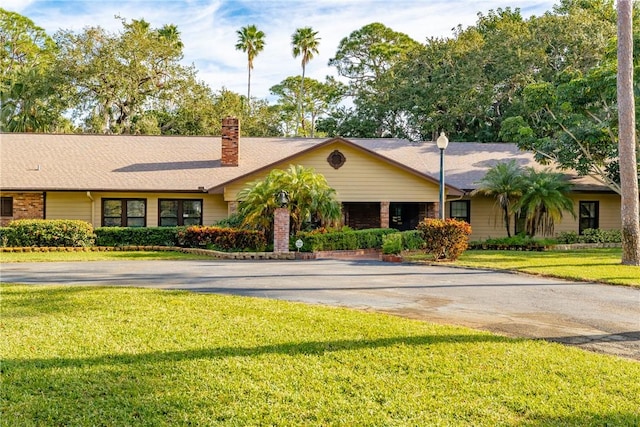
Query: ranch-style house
[149, 181]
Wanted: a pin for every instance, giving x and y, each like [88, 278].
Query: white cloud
[16, 5]
[208, 27]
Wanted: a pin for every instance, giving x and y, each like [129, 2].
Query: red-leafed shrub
[223, 239]
[446, 239]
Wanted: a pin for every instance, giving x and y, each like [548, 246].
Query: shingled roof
[48, 162]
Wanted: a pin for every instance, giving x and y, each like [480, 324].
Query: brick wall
[230, 141]
[25, 206]
[384, 214]
[232, 208]
[433, 210]
[281, 230]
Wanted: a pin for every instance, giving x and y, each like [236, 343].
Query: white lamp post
[442, 143]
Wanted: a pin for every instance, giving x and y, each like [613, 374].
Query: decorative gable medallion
[336, 159]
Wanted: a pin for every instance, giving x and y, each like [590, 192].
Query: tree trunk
[630, 211]
[249, 85]
[300, 108]
[507, 221]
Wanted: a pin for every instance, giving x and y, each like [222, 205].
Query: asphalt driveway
[593, 316]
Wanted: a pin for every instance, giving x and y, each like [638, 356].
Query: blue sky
[208, 27]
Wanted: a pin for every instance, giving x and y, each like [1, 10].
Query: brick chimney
[230, 140]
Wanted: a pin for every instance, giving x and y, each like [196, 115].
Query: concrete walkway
[592, 316]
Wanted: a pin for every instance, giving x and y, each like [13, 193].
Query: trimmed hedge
[591, 235]
[395, 243]
[445, 239]
[519, 242]
[48, 233]
[223, 239]
[137, 236]
[6, 237]
[341, 240]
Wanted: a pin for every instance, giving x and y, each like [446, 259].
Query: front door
[404, 216]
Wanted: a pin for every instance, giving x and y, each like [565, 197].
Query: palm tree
[305, 43]
[505, 182]
[310, 197]
[544, 199]
[251, 41]
[257, 204]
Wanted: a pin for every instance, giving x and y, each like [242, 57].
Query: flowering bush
[446, 239]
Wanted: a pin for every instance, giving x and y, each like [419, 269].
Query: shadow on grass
[313, 348]
[582, 419]
[36, 301]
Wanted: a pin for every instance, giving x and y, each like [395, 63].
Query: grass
[81, 356]
[95, 256]
[595, 265]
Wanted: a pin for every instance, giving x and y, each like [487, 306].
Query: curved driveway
[596, 317]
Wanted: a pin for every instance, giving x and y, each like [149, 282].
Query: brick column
[433, 210]
[232, 207]
[281, 230]
[384, 214]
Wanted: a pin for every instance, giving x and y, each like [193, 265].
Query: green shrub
[50, 233]
[222, 239]
[137, 236]
[596, 235]
[395, 243]
[323, 240]
[412, 240]
[7, 237]
[444, 239]
[591, 235]
[518, 242]
[613, 236]
[392, 244]
[233, 221]
[568, 237]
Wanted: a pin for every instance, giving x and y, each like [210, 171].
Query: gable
[363, 177]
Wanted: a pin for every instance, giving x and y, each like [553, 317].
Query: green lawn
[95, 256]
[84, 356]
[600, 265]
[596, 265]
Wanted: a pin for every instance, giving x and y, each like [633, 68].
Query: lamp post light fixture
[282, 198]
[281, 222]
[442, 142]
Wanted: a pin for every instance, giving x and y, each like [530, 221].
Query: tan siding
[486, 219]
[362, 178]
[68, 205]
[610, 215]
[215, 209]
[609, 212]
